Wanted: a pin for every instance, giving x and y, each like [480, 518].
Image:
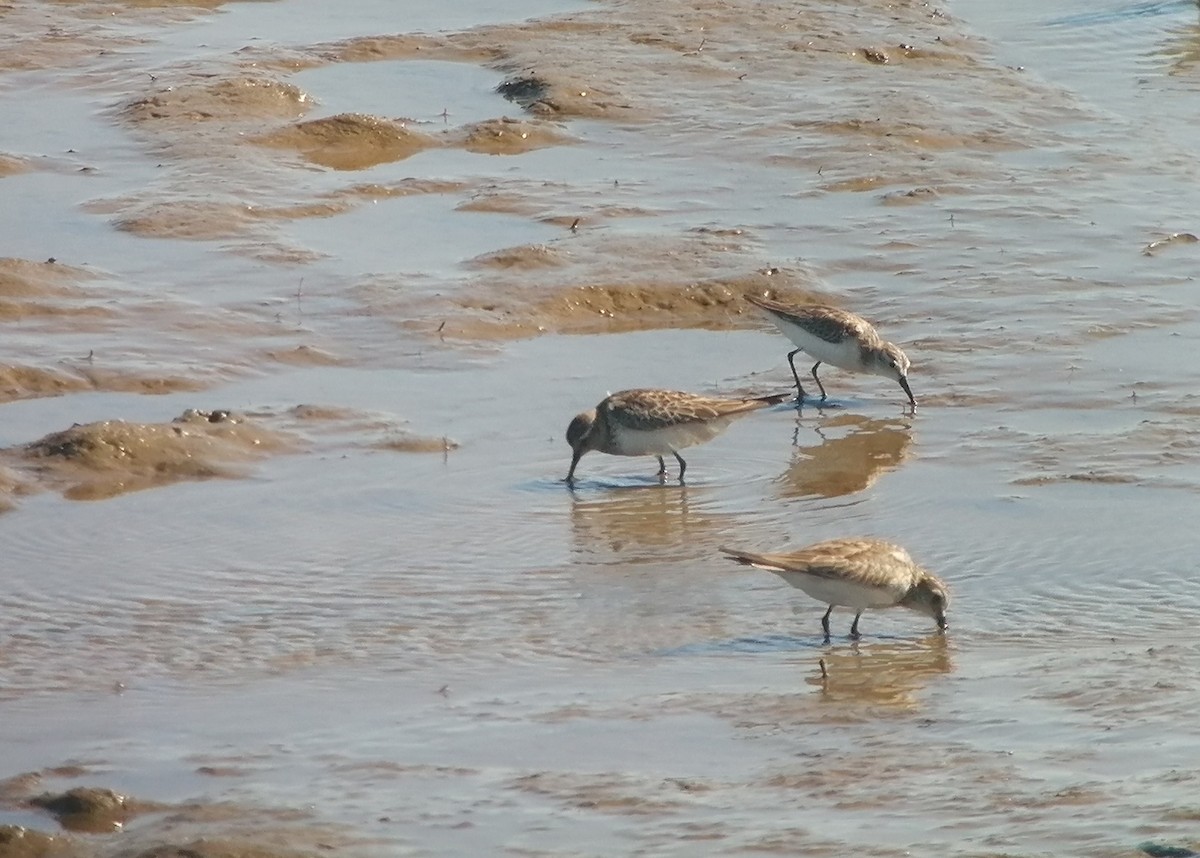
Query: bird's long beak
[941, 622]
[908, 390]
[575, 457]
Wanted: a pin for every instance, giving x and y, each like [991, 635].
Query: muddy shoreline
[301, 311]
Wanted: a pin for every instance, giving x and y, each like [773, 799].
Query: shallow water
[401, 633]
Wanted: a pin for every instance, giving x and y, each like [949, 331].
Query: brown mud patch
[227, 848]
[545, 96]
[91, 809]
[237, 99]
[18, 842]
[27, 382]
[527, 257]
[610, 792]
[400, 442]
[114, 7]
[209, 221]
[40, 289]
[350, 141]
[506, 136]
[406, 47]
[404, 188]
[196, 221]
[10, 165]
[895, 133]
[23, 278]
[304, 356]
[11, 487]
[102, 460]
[383, 432]
[716, 303]
[202, 829]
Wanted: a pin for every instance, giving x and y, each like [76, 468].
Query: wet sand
[297, 306]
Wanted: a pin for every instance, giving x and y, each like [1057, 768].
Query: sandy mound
[716, 303]
[407, 47]
[527, 257]
[545, 96]
[245, 98]
[43, 289]
[350, 141]
[101, 460]
[342, 423]
[27, 382]
[21, 278]
[197, 221]
[10, 165]
[509, 136]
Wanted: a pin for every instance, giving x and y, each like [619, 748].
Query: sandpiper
[654, 422]
[858, 574]
[836, 336]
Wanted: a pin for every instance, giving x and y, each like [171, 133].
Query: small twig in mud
[575, 225]
[824, 669]
[91, 356]
[441, 328]
[445, 114]
[742, 76]
[952, 220]
[300, 306]
[444, 691]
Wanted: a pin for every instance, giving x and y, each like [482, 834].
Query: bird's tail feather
[747, 558]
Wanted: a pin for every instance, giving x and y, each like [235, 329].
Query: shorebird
[836, 336]
[655, 422]
[858, 574]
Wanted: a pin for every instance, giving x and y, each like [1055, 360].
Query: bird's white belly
[659, 442]
[845, 354]
[842, 593]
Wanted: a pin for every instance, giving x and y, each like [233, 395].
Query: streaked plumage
[839, 337]
[858, 574]
[655, 422]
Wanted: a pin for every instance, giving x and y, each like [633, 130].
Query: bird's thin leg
[825, 623]
[662, 466]
[796, 375]
[854, 628]
[818, 380]
[682, 465]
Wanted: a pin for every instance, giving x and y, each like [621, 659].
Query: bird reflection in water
[638, 523]
[854, 451]
[886, 674]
